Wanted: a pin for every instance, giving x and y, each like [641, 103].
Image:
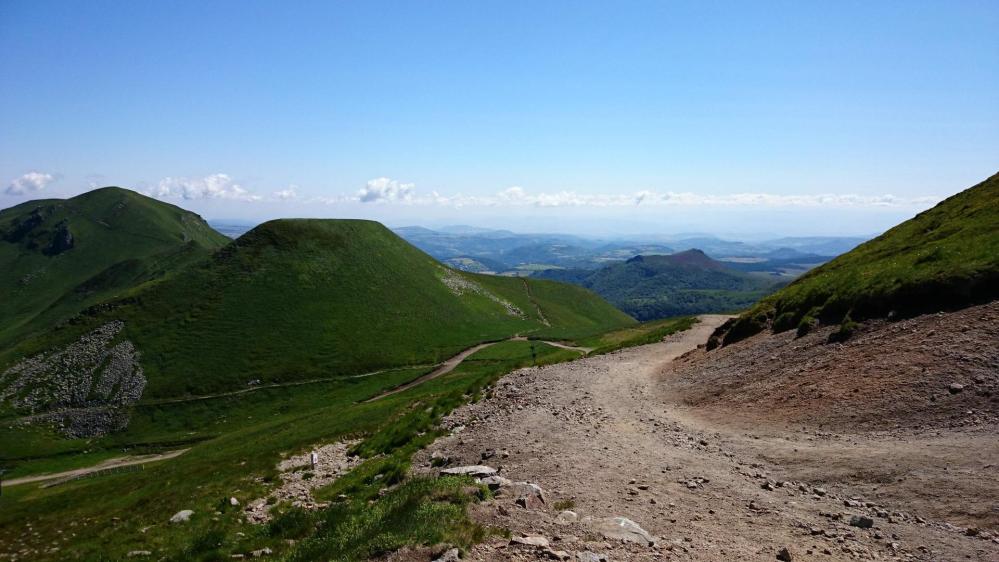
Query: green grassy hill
[306, 302]
[58, 257]
[652, 287]
[944, 258]
[304, 299]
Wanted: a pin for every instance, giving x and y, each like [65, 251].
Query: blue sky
[786, 117]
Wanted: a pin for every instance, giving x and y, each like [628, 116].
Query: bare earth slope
[611, 434]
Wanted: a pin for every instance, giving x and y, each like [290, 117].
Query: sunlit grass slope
[305, 299]
[943, 258]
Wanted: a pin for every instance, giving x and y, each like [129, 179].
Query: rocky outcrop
[300, 475]
[61, 241]
[84, 389]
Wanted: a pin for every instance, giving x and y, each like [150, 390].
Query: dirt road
[452, 363]
[105, 465]
[604, 438]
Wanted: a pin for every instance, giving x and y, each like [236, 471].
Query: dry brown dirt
[720, 463]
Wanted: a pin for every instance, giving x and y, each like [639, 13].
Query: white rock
[182, 516]
[450, 556]
[479, 471]
[495, 482]
[624, 529]
[567, 517]
[531, 540]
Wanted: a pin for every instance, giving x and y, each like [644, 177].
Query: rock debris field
[299, 478]
[84, 389]
[599, 459]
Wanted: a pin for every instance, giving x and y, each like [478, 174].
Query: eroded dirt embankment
[633, 435]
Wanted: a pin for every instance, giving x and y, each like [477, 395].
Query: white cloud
[287, 194]
[29, 183]
[385, 189]
[214, 186]
[519, 197]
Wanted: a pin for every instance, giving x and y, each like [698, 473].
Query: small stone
[531, 540]
[528, 495]
[567, 517]
[479, 471]
[182, 516]
[557, 554]
[452, 555]
[624, 529]
[955, 388]
[261, 552]
[495, 482]
[785, 555]
[233, 502]
[861, 521]
[587, 556]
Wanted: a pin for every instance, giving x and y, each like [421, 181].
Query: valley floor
[610, 436]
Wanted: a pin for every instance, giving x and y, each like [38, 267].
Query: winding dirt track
[605, 435]
[445, 368]
[105, 465]
[442, 369]
[452, 363]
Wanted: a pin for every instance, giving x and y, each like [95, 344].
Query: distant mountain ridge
[522, 254]
[660, 286]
